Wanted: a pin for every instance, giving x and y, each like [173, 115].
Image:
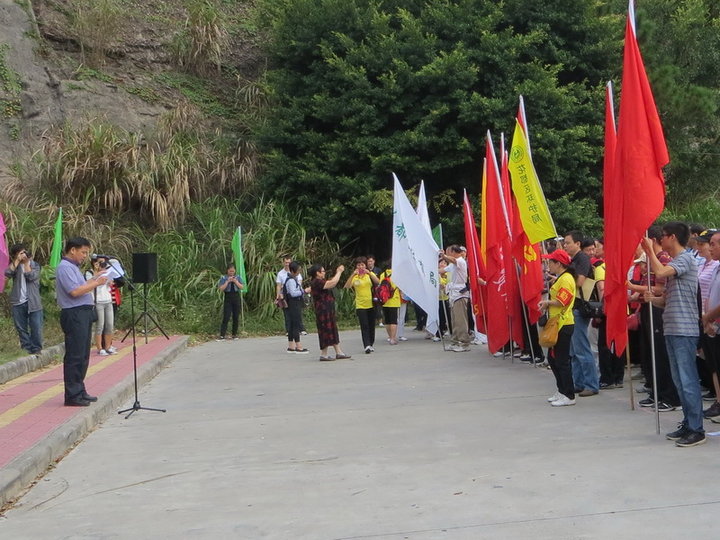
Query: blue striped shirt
[680, 317]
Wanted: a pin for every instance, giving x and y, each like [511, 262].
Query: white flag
[422, 210]
[414, 257]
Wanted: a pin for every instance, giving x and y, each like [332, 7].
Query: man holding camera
[27, 310]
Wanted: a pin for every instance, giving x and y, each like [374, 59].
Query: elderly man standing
[711, 327]
[75, 298]
[27, 310]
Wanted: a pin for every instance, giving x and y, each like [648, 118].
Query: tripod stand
[136, 404]
[145, 315]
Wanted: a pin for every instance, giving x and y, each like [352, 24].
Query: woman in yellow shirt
[390, 308]
[362, 282]
[560, 304]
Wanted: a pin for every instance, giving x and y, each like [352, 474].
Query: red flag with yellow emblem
[527, 256]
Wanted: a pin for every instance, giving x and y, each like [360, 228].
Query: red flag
[635, 190]
[496, 236]
[476, 268]
[512, 285]
[527, 256]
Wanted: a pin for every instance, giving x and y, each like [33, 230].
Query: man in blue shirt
[681, 326]
[75, 298]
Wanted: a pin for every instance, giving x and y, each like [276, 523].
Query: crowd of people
[673, 314]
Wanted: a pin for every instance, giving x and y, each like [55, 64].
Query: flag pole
[629, 370]
[652, 350]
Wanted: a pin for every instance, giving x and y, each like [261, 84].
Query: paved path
[407, 443]
[36, 428]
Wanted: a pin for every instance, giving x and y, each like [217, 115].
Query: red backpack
[385, 290]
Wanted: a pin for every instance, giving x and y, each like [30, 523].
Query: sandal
[326, 359]
[343, 356]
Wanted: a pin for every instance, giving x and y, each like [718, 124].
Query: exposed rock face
[53, 86]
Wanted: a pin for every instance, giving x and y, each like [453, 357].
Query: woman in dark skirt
[324, 304]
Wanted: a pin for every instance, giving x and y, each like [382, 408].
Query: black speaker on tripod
[145, 271]
[145, 268]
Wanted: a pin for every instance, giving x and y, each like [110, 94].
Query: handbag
[281, 303]
[633, 321]
[549, 334]
[589, 309]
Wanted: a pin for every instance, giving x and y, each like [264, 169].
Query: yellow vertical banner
[534, 212]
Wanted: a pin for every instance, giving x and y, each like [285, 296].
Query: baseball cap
[559, 255]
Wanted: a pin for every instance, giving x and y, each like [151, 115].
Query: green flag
[238, 258]
[57, 245]
[437, 235]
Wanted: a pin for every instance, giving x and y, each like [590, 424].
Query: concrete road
[407, 443]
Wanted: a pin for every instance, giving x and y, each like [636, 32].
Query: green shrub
[96, 24]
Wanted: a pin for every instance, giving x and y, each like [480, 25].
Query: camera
[103, 264]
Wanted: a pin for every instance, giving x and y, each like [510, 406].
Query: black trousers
[444, 311]
[666, 387]
[76, 324]
[559, 360]
[612, 367]
[294, 319]
[231, 307]
[530, 333]
[367, 325]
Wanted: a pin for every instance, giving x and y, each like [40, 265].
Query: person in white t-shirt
[459, 297]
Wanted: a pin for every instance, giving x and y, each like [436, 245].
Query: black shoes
[78, 402]
[681, 432]
[88, 397]
[693, 438]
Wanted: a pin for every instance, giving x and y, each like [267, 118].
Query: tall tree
[361, 88]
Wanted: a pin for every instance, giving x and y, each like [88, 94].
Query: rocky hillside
[125, 61]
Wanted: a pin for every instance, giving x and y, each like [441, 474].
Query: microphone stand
[136, 404]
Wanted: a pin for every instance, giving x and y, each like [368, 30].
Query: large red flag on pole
[476, 268]
[512, 283]
[495, 235]
[635, 190]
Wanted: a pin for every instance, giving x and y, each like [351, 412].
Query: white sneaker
[303, 333]
[103, 352]
[554, 397]
[459, 348]
[498, 354]
[372, 349]
[435, 339]
[563, 401]
[482, 338]
[402, 338]
[112, 350]
[475, 341]
[368, 349]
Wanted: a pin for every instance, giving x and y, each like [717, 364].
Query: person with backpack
[362, 281]
[389, 295]
[292, 291]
